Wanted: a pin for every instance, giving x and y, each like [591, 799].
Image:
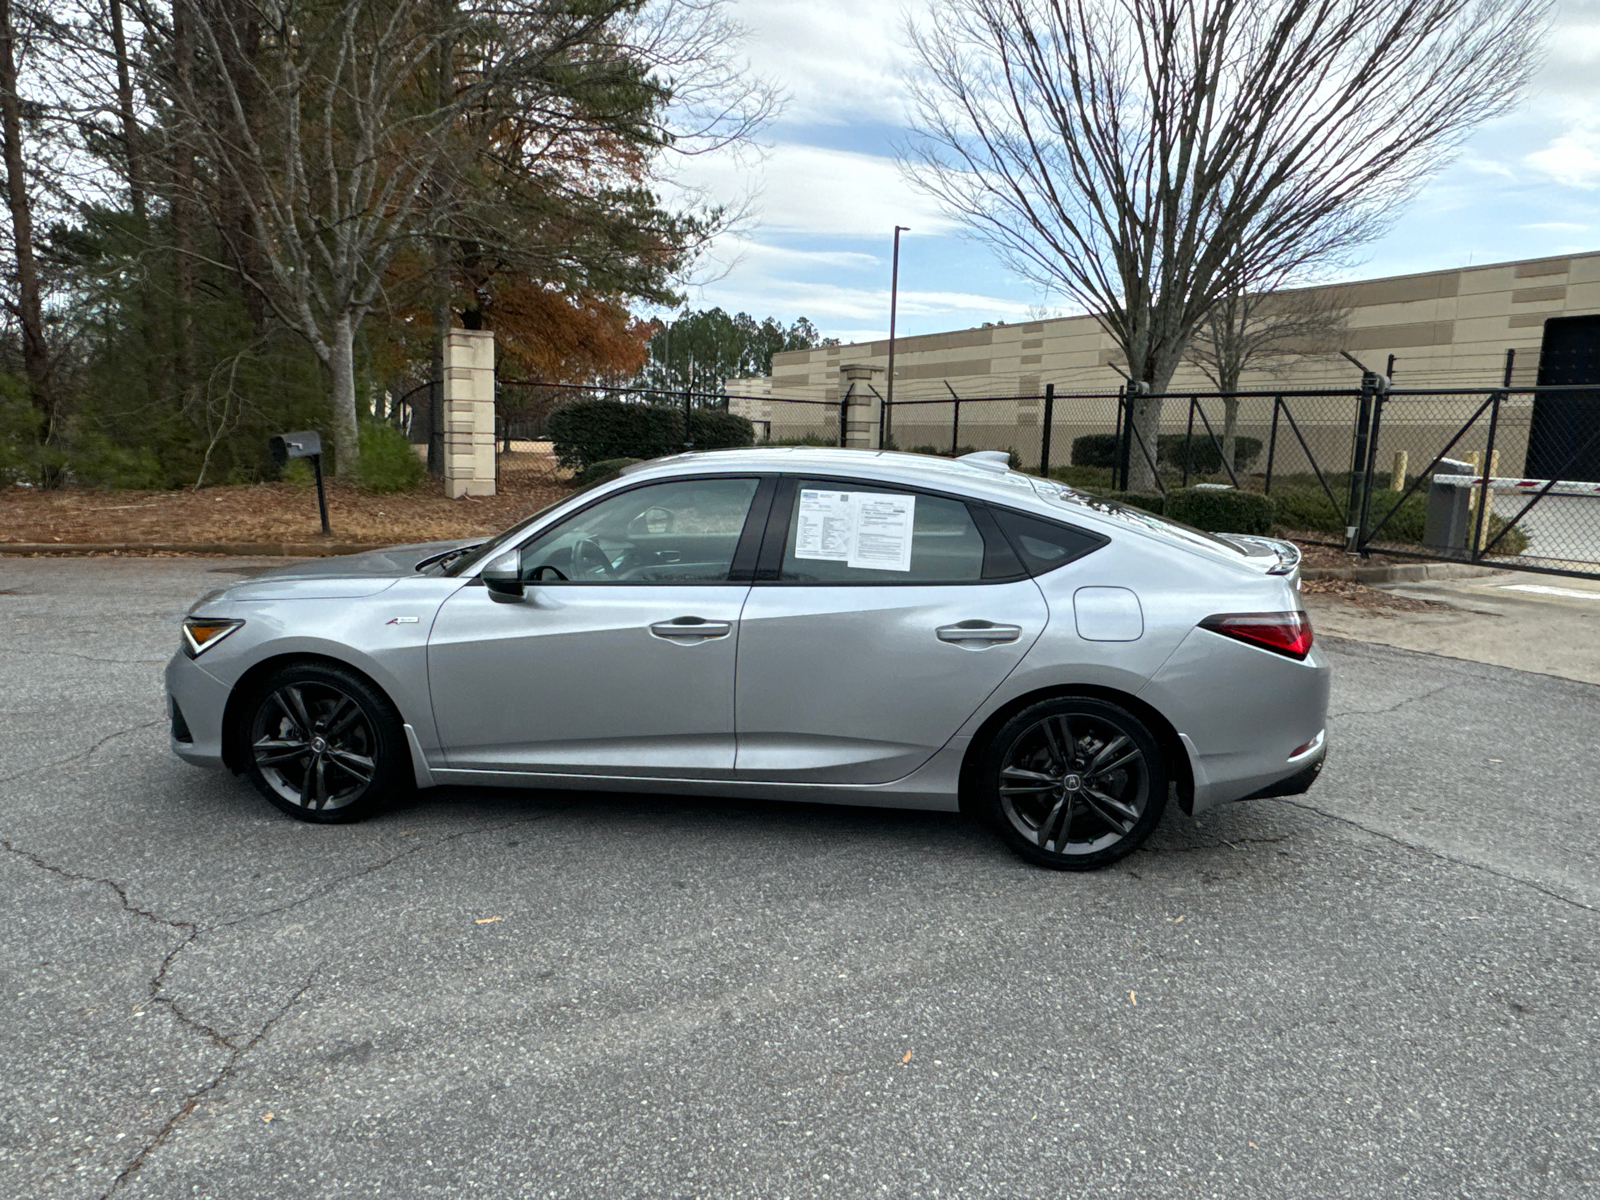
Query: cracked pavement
[1383, 988]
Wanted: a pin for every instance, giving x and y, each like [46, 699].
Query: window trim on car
[742, 567]
[774, 542]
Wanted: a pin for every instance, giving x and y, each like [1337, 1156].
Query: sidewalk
[1543, 623]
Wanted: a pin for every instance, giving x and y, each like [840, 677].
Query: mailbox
[305, 444]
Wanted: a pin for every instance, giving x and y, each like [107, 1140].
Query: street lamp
[894, 297]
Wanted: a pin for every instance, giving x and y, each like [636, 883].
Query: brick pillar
[861, 427]
[469, 413]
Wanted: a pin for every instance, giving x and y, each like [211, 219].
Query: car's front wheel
[323, 744]
[1073, 783]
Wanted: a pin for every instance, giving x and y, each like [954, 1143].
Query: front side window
[685, 531]
[842, 533]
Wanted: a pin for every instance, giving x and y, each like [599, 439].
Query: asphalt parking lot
[1386, 988]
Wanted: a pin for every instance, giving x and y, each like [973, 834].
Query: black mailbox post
[307, 443]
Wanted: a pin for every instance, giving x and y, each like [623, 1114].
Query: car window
[684, 531]
[1045, 545]
[845, 534]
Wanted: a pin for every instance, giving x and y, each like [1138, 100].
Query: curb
[1402, 573]
[244, 549]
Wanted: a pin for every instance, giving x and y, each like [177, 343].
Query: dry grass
[278, 512]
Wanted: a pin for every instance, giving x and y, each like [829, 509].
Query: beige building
[1445, 329]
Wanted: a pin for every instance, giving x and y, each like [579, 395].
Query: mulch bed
[277, 512]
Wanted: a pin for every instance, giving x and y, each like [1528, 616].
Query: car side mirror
[654, 520]
[503, 576]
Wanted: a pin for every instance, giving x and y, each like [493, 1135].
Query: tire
[1072, 784]
[351, 759]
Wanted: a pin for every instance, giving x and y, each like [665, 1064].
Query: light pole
[894, 298]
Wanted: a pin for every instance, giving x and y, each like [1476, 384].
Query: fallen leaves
[487, 920]
[906, 1059]
[266, 1117]
[1133, 998]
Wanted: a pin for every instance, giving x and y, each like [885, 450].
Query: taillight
[1282, 632]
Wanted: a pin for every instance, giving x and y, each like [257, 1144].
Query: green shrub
[595, 429]
[601, 471]
[1220, 510]
[1095, 450]
[1083, 477]
[1205, 456]
[1153, 502]
[1012, 457]
[19, 431]
[1302, 507]
[713, 429]
[805, 439]
[388, 463]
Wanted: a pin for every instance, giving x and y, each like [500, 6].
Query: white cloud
[1573, 159]
[839, 60]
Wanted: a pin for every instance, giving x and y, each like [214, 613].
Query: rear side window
[1045, 545]
[850, 534]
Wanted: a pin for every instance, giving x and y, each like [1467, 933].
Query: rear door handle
[980, 633]
[691, 629]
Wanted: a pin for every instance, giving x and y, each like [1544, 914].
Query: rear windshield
[1068, 498]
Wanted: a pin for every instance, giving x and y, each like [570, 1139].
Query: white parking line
[1545, 590]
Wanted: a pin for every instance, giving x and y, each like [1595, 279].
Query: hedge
[1153, 502]
[1205, 457]
[1220, 510]
[599, 472]
[596, 429]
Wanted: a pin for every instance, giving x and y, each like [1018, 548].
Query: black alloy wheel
[323, 744]
[1073, 783]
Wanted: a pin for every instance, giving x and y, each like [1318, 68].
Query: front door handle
[691, 629]
[978, 633]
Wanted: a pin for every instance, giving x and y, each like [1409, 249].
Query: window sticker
[865, 530]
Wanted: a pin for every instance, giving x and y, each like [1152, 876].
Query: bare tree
[326, 123]
[1263, 330]
[1150, 157]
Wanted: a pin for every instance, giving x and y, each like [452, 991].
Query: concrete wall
[1445, 328]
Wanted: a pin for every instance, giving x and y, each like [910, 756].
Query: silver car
[823, 625]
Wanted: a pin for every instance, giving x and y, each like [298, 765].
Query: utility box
[1448, 525]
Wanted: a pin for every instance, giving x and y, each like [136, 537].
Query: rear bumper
[1297, 784]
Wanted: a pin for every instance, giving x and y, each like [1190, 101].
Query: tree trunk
[183, 202]
[35, 355]
[1143, 449]
[342, 364]
[131, 139]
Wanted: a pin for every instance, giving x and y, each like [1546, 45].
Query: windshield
[470, 555]
[1068, 498]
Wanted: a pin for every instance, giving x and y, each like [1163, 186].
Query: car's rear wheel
[323, 744]
[1073, 783]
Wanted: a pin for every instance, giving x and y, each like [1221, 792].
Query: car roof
[969, 477]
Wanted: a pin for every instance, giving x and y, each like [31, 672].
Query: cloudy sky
[829, 193]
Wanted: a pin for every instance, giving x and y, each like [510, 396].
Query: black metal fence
[1508, 476]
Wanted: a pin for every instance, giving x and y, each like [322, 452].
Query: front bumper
[202, 701]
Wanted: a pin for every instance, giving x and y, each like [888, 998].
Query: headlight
[202, 633]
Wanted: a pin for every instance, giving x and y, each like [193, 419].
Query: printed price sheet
[865, 530]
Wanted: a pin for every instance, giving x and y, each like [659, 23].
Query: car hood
[343, 577]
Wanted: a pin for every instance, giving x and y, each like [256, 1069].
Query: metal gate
[1509, 477]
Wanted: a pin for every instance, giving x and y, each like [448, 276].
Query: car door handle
[691, 629]
[978, 632]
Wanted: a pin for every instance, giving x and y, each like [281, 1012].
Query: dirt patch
[279, 512]
[1372, 599]
[1322, 557]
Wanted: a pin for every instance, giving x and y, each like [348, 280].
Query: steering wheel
[588, 556]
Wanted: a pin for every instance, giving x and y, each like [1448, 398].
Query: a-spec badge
[402, 620]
